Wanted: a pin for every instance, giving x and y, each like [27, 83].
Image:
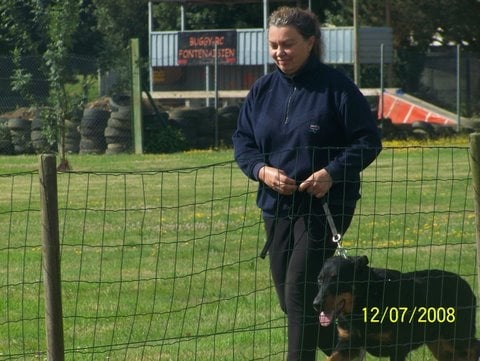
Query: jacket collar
[312, 65]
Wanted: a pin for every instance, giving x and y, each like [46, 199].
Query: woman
[305, 132]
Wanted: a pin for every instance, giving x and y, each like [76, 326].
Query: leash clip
[341, 251]
[336, 237]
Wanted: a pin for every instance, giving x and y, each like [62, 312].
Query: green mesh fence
[164, 265]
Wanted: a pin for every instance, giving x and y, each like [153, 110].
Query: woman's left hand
[318, 184]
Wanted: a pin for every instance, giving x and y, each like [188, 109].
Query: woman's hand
[318, 184]
[277, 180]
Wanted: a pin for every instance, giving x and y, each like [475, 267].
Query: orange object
[402, 108]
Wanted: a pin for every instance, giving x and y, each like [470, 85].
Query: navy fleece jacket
[316, 119]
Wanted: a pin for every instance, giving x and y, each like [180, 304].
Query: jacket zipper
[288, 104]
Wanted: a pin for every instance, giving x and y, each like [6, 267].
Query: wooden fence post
[51, 258]
[475, 166]
[136, 96]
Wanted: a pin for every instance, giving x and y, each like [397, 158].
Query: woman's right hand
[277, 180]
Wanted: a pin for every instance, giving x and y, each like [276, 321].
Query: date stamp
[416, 314]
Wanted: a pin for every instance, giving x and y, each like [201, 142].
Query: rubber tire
[118, 148]
[19, 124]
[120, 106]
[119, 123]
[95, 118]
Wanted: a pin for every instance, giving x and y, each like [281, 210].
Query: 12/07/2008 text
[409, 315]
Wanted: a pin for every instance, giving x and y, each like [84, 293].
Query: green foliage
[415, 26]
[22, 25]
[167, 16]
[61, 19]
[21, 79]
[409, 65]
[4, 131]
[165, 140]
[119, 21]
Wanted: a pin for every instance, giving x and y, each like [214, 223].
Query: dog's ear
[361, 262]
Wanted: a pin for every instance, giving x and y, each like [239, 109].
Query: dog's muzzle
[326, 318]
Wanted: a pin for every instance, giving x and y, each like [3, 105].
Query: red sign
[198, 48]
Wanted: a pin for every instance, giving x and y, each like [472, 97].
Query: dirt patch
[24, 113]
[101, 103]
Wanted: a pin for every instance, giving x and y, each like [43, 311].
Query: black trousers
[298, 246]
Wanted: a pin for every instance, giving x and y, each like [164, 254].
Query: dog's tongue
[325, 319]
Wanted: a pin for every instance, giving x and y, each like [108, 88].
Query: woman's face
[288, 48]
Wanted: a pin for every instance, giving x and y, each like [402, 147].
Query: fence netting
[164, 265]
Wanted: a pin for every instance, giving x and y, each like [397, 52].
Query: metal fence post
[51, 258]
[475, 166]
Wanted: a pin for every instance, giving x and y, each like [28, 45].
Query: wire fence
[99, 117]
[164, 265]
[105, 127]
[102, 120]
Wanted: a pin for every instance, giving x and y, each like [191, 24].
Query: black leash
[336, 236]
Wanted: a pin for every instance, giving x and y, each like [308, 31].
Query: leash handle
[336, 237]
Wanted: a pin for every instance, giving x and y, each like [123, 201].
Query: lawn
[160, 252]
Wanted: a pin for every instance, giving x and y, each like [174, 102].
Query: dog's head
[336, 286]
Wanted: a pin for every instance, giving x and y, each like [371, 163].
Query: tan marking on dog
[346, 355]
[343, 333]
[348, 298]
[331, 303]
[337, 356]
[462, 353]
[445, 350]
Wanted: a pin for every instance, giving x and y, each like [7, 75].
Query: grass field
[160, 252]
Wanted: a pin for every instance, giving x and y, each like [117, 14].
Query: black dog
[389, 313]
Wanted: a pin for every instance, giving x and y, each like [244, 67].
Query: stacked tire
[155, 128]
[6, 146]
[92, 129]
[196, 124]
[118, 132]
[72, 136]
[40, 142]
[20, 129]
[422, 130]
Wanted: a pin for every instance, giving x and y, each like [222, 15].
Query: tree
[22, 25]
[62, 17]
[197, 17]
[45, 29]
[119, 21]
[416, 25]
